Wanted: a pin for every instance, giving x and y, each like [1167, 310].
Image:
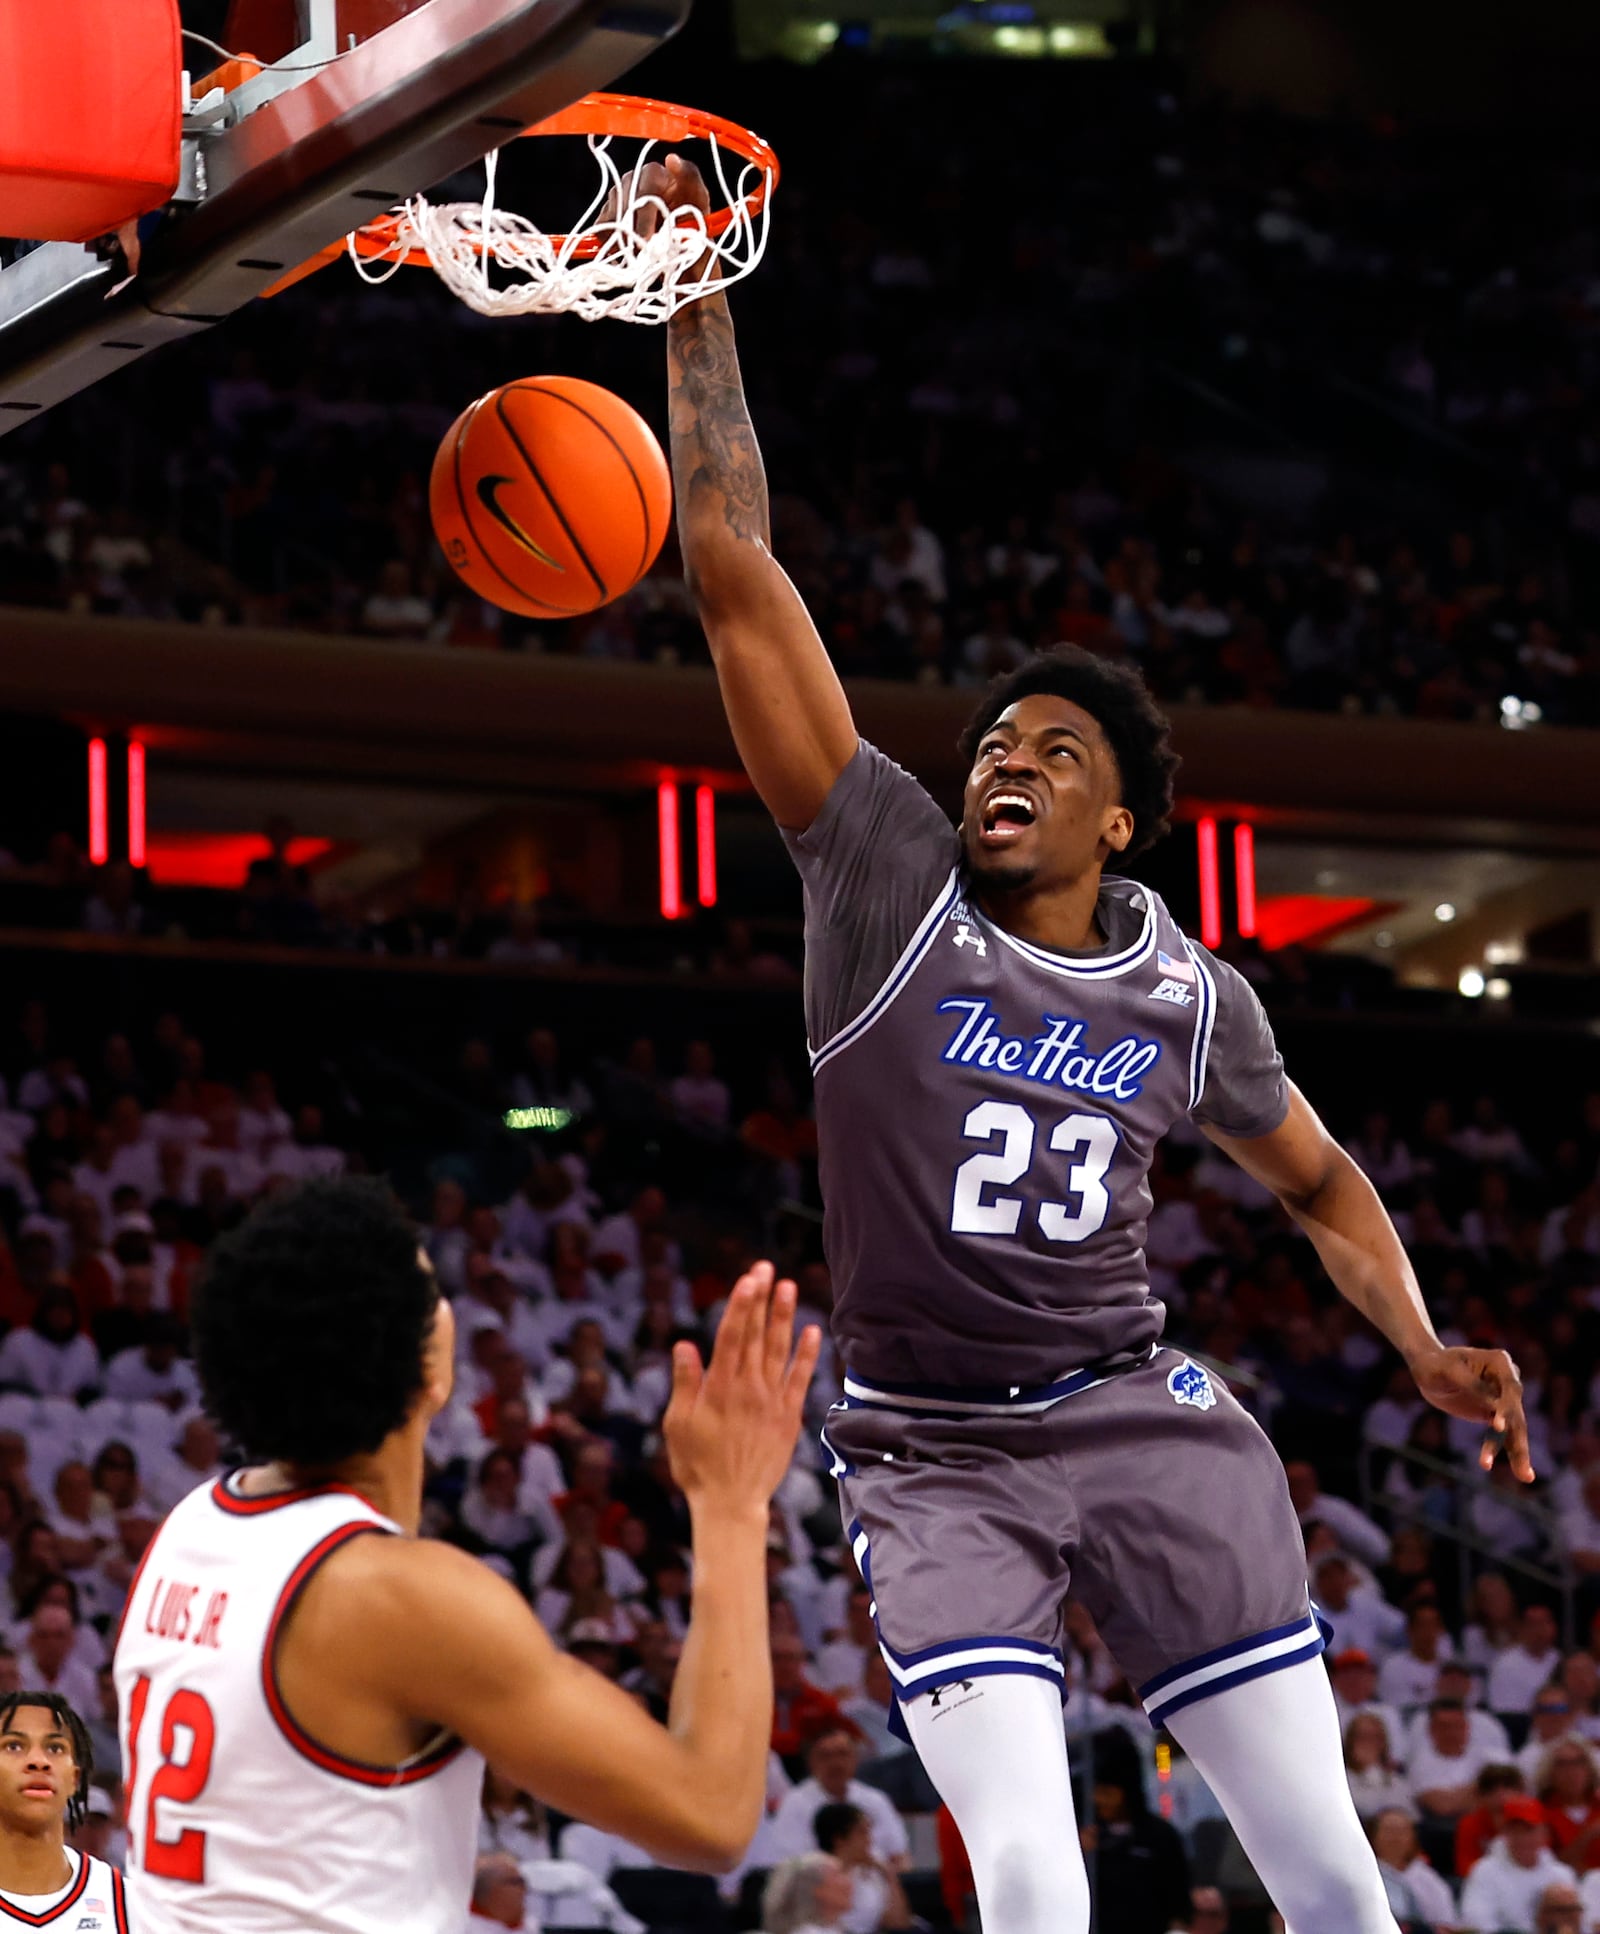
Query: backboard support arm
[430, 94]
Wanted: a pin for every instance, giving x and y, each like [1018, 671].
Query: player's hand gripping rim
[731, 1426]
[1482, 1386]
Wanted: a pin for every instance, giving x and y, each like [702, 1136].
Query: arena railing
[1553, 1575]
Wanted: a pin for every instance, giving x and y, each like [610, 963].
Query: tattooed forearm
[716, 466]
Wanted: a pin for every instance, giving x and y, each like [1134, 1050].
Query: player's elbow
[727, 576]
[713, 1836]
[716, 1856]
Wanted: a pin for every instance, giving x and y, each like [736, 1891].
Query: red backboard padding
[90, 105]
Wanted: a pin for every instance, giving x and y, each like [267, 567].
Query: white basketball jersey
[238, 1820]
[95, 1903]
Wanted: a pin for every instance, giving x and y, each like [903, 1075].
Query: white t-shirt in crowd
[602, 1853]
[49, 1369]
[1376, 1788]
[869, 1902]
[618, 1235]
[792, 1825]
[1485, 1735]
[243, 1173]
[1368, 1623]
[701, 1101]
[161, 1126]
[1431, 1894]
[1356, 1532]
[1499, 1895]
[839, 1666]
[1580, 1529]
[75, 1681]
[260, 1127]
[130, 1377]
[1405, 1681]
[1516, 1677]
[1393, 1724]
[304, 1162]
[1430, 1771]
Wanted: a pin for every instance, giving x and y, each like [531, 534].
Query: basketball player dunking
[309, 1691]
[1001, 1034]
[45, 1763]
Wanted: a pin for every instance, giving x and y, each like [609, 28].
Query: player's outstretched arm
[1339, 1209]
[443, 1640]
[788, 711]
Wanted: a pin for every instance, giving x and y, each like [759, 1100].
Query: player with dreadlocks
[46, 1763]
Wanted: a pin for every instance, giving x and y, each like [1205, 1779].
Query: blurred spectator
[1479, 1827]
[877, 1899]
[1418, 1895]
[1141, 1872]
[809, 1894]
[1504, 1888]
[1567, 1784]
[1375, 1781]
[832, 1758]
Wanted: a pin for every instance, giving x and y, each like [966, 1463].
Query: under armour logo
[955, 1685]
[970, 937]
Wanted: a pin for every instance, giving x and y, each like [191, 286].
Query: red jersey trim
[61, 1906]
[253, 1507]
[119, 1901]
[434, 1760]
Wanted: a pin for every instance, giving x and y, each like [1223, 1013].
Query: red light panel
[1210, 890]
[1244, 878]
[136, 807]
[705, 835]
[99, 839]
[671, 859]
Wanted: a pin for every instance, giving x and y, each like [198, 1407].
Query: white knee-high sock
[1270, 1751]
[998, 1755]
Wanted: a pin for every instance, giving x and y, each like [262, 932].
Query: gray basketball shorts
[1150, 1496]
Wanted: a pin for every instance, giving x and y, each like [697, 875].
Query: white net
[626, 257]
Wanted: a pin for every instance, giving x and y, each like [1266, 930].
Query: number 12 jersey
[238, 1818]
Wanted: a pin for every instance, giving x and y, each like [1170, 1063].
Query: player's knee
[1035, 1886]
[1332, 1901]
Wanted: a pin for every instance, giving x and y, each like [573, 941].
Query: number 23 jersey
[238, 1819]
[988, 1110]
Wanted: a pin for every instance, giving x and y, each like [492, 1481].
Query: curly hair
[310, 1322]
[75, 1730]
[1116, 697]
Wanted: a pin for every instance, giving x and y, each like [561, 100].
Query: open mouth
[1006, 817]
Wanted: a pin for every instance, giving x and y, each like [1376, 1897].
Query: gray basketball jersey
[988, 1109]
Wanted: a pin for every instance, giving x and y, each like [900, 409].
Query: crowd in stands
[964, 425]
[1467, 1675]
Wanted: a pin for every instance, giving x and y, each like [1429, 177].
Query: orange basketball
[550, 496]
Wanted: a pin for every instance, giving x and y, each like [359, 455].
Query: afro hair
[310, 1324]
[1116, 697]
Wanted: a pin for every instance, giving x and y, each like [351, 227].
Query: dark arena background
[1250, 342]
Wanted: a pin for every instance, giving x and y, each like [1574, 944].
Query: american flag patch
[1175, 969]
[94, 1907]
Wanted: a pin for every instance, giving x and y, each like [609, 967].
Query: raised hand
[676, 182]
[731, 1426]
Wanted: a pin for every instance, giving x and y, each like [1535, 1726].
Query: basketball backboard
[373, 101]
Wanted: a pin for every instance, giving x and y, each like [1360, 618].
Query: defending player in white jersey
[45, 1764]
[309, 1690]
